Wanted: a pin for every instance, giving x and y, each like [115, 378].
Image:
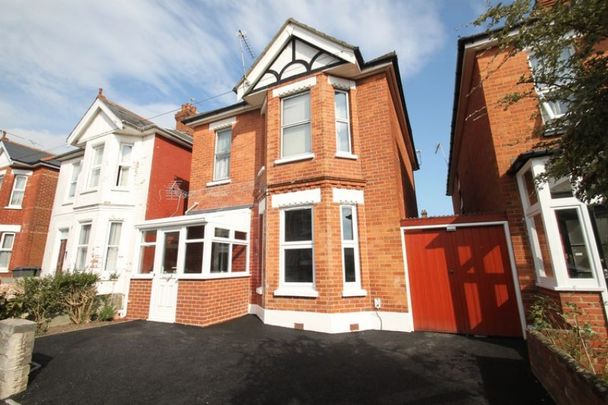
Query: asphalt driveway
[244, 361]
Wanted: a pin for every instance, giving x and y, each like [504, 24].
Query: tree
[575, 81]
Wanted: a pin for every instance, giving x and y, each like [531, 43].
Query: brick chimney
[187, 110]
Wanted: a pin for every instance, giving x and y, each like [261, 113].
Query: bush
[77, 295]
[107, 310]
[38, 299]
[8, 308]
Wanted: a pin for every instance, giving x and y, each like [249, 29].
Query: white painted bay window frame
[95, 166]
[113, 246]
[348, 154]
[124, 166]
[83, 247]
[351, 288]
[7, 249]
[298, 156]
[546, 207]
[18, 204]
[74, 175]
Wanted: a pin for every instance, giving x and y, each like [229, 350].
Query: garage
[461, 277]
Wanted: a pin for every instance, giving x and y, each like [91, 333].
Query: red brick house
[296, 196]
[28, 178]
[560, 244]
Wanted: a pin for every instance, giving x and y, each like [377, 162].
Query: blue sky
[152, 56]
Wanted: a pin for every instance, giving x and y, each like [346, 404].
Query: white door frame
[161, 280]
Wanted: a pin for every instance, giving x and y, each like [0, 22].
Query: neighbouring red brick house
[560, 244]
[296, 196]
[28, 177]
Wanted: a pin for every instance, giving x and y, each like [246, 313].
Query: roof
[126, 115]
[524, 157]
[28, 155]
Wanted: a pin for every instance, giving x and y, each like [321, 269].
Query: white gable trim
[4, 152]
[88, 117]
[296, 198]
[275, 48]
[341, 84]
[221, 124]
[294, 88]
[347, 196]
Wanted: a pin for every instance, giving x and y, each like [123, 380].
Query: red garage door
[461, 281]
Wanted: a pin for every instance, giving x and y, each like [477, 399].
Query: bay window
[74, 179]
[221, 166]
[83, 247]
[295, 125]
[112, 246]
[18, 192]
[343, 137]
[124, 165]
[350, 251]
[95, 169]
[296, 248]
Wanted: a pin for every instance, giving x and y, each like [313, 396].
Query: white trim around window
[95, 167]
[221, 156]
[114, 235]
[7, 241]
[18, 191]
[125, 161]
[298, 244]
[82, 248]
[351, 269]
[75, 173]
[342, 120]
[296, 128]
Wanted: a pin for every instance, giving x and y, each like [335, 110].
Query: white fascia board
[172, 221]
[347, 196]
[88, 117]
[296, 198]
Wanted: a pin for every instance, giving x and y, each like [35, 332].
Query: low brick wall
[139, 299]
[566, 382]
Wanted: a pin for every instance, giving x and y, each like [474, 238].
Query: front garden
[41, 299]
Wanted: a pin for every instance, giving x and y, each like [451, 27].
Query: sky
[152, 56]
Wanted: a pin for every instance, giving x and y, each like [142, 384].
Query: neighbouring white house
[125, 170]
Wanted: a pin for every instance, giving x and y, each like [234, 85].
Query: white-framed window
[19, 183]
[1, 179]
[295, 125]
[343, 136]
[112, 246]
[6, 249]
[124, 165]
[221, 165]
[296, 247]
[550, 110]
[82, 249]
[564, 246]
[74, 179]
[228, 251]
[350, 247]
[147, 252]
[96, 162]
[195, 248]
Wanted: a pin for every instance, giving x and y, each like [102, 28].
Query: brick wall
[139, 299]
[205, 302]
[34, 216]
[170, 162]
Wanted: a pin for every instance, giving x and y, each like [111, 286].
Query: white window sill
[199, 276]
[308, 292]
[572, 288]
[218, 182]
[121, 189]
[354, 292]
[140, 276]
[68, 203]
[13, 207]
[296, 158]
[259, 290]
[88, 191]
[344, 155]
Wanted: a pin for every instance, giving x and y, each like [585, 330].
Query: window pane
[298, 265]
[219, 257]
[1, 179]
[544, 246]
[223, 141]
[347, 223]
[85, 230]
[98, 156]
[146, 259]
[5, 258]
[343, 137]
[298, 225]
[573, 243]
[112, 258]
[239, 258]
[222, 233]
[296, 140]
[341, 106]
[114, 237]
[7, 242]
[349, 265]
[20, 182]
[17, 198]
[530, 188]
[94, 180]
[81, 257]
[240, 235]
[170, 253]
[125, 153]
[194, 257]
[222, 167]
[296, 109]
[149, 236]
[123, 176]
[195, 232]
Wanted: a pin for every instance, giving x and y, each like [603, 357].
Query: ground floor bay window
[568, 239]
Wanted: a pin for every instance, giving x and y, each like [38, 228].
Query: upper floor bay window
[223, 143]
[82, 249]
[112, 247]
[550, 110]
[95, 170]
[565, 235]
[295, 125]
[6, 249]
[18, 192]
[74, 179]
[124, 165]
[343, 137]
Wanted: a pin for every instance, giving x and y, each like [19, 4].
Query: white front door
[164, 284]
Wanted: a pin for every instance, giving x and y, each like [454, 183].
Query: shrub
[78, 292]
[8, 307]
[38, 299]
[107, 310]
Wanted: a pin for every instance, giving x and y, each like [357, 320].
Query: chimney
[187, 110]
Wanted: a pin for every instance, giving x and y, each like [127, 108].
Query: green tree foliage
[580, 78]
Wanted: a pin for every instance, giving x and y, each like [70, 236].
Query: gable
[98, 119]
[296, 58]
[5, 160]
